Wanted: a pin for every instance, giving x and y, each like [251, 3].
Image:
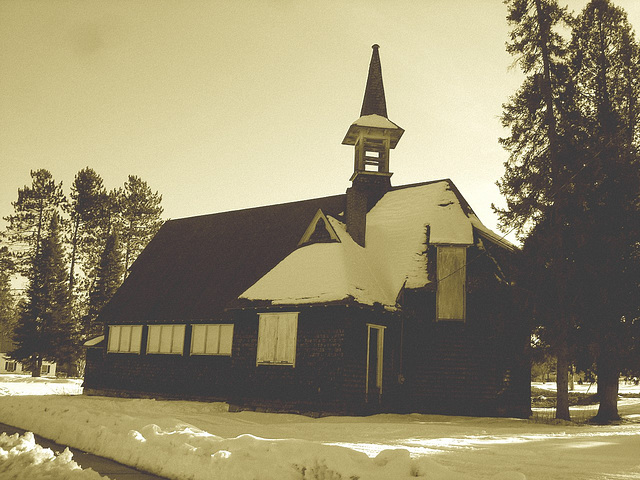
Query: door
[375, 357]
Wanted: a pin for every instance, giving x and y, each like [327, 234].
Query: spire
[374, 101]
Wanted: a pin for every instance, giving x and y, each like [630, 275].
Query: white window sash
[212, 339]
[124, 338]
[166, 339]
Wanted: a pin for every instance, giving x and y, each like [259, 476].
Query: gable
[319, 231]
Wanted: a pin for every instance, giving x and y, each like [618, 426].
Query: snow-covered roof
[373, 121]
[394, 253]
[376, 121]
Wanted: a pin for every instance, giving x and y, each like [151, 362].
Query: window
[166, 339]
[212, 339]
[45, 370]
[125, 338]
[10, 366]
[277, 335]
[451, 289]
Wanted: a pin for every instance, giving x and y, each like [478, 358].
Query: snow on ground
[22, 459]
[194, 440]
[15, 384]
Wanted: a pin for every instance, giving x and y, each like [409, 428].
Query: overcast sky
[221, 105]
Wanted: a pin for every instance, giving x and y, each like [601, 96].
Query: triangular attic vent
[319, 231]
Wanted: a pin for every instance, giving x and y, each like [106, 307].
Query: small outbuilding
[383, 299]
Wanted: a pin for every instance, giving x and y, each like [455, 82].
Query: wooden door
[375, 357]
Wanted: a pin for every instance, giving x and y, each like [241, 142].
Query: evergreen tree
[7, 302]
[141, 217]
[109, 278]
[86, 209]
[606, 66]
[542, 146]
[45, 328]
[33, 211]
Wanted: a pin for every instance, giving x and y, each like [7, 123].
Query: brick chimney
[373, 135]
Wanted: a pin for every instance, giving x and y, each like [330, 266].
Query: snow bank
[22, 459]
[122, 430]
[180, 439]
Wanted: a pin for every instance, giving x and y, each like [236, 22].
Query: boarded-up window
[214, 339]
[277, 336]
[452, 276]
[124, 338]
[165, 339]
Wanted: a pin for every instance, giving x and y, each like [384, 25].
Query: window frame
[119, 328]
[445, 285]
[172, 339]
[208, 327]
[290, 335]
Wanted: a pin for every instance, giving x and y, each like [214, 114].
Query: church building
[383, 299]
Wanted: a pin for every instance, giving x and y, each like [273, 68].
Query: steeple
[374, 102]
[373, 135]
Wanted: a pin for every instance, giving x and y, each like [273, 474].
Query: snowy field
[192, 440]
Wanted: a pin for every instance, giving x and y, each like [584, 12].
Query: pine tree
[141, 217]
[86, 210]
[7, 302]
[606, 66]
[541, 163]
[45, 329]
[32, 215]
[109, 277]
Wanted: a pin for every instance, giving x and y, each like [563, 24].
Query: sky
[222, 105]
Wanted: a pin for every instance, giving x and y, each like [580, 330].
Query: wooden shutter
[153, 343]
[451, 288]
[136, 338]
[277, 336]
[226, 339]
[177, 344]
[165, 338]
[114, 338]
[198, 334]
[267, 334]
[213, 339]
[287, 336]
[125, 338]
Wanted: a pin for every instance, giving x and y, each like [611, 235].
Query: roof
[195, 266]
[95, 341]
[393, 258]
[373, 121]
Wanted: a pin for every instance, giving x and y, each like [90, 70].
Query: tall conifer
[141, 217]
[606, 65]
[33, 211]
[45, 329]
[109, 277]
[541, 146]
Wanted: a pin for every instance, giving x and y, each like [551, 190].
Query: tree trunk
[74, 247]
[571, 378]
[608, 378]
[562, 383]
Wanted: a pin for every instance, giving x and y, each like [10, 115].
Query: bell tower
[373, 136]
